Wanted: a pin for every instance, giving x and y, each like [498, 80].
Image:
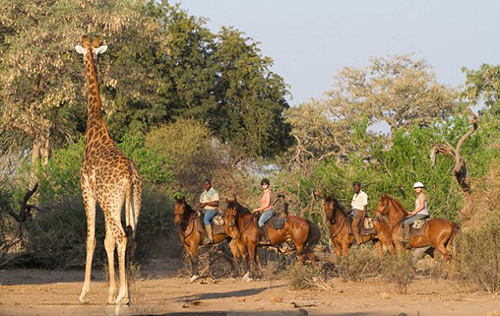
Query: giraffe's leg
[121, 246]
[90, 206]
[109, 245]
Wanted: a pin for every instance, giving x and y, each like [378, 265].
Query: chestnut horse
[242, 225]
[438, 233]
[188, 221]
[339, 230]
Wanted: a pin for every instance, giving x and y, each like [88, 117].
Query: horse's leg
[192, 250]
[338, 247]
[233, 245]
[311, 258]
[252, 247]
[386, 239]
[379, 248]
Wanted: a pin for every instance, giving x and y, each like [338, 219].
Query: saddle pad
[418, 227]
[369, 223]
[418, 224]
[217, 227]
[277, 222]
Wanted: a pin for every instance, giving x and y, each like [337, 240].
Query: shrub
[478, 255]
[304, 277]
[398, 270]
[359, 265]
[57, 239]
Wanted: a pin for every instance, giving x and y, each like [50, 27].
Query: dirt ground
[161, 291]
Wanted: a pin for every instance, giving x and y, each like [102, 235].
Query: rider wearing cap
[420, 211]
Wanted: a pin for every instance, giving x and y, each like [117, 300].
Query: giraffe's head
[92, 47]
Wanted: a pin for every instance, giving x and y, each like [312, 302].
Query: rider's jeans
[265, 217]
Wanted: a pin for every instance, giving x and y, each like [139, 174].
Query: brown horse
[339, 230]
[242, 225]
[188, 221]
[438, 233]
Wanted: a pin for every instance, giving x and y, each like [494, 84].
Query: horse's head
[382, 207]
[231, 212]
[331, 205]
[179, 210]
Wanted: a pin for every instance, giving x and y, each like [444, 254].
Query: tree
[399, 90]
[41, 76]
[250, 97]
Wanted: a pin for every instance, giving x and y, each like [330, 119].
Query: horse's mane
[240, 208]
[336, 203]
[398, 204]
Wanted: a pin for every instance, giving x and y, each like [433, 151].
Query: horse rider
[266, 209]
[420, 211]
[209, 202]
[359, 206]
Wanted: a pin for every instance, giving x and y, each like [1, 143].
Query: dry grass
[303, 277]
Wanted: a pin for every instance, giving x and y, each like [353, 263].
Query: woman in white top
[420, 211]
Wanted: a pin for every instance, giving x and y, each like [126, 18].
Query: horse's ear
[227, 200]
[183, 199]
[235, 199]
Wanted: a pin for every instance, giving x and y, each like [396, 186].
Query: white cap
[418, 185]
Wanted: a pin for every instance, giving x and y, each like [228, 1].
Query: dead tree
[459, 169]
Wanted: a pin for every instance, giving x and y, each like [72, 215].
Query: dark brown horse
[339, 230]
[438, 233]
[188, 221]
[242, 225]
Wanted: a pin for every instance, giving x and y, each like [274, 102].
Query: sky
[310, 41]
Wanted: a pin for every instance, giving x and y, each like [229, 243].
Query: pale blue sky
[310, 41]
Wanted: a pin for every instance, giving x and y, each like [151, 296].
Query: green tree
[250, 97]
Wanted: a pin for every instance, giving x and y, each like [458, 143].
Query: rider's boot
[406, 233]
[208, 239]
[264, 235]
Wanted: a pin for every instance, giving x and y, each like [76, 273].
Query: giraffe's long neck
[94, 119]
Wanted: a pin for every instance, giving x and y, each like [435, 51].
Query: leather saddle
[275, 221]
[366, 226]
[217, 223]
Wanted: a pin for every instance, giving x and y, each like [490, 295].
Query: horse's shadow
[238, 293]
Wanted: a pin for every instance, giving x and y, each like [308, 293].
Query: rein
[186, 223]
[339, 227]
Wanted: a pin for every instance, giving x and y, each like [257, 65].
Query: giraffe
[109, 178]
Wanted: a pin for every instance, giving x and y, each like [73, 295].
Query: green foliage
[188, 145]
[57, 238]
[60, 178]
[153, 166]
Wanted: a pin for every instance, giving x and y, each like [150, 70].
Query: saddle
[417, 228]
[275, 221]
[217, 223]
[366, 226]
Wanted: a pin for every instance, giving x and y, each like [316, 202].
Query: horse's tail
[455, 230]
[313, 236]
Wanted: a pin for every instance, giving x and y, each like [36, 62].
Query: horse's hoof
[83, 299]
[247, 277]
[193, 278]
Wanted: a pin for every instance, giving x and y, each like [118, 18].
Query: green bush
[57, 239]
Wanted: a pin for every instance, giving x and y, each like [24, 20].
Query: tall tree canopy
[162, 65]
[399, 90]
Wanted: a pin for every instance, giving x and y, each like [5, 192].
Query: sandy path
[39, 292]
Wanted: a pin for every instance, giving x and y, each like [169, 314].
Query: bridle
[184, 222]
[339, 227]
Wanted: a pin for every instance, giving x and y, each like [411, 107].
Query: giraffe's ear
[100, 49]
[80, 49]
